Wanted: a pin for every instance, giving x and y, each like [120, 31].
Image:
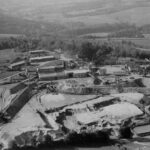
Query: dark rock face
[32, 139]
[126, 132]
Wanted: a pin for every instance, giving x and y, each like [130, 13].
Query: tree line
[97, 52]
[21, 43]
[109, 52]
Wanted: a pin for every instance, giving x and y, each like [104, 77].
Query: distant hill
[16, 25]
[89, 12]
[78, 16]
[107, 28]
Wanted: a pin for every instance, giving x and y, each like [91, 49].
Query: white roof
[43, 57]
[17, 63]
[48, 67]
[113, 69]
[42, 75]
[77, 71]
[142, 129]
[36, 51]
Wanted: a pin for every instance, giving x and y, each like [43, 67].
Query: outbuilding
[17, 66]
[41, 59]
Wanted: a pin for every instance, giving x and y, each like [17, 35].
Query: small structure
[59, 51]
[142, 131]
[114, 70]
[124, 60]
[58, 62]
[17, 66]
[38, 53]
[51, 69]
[56, 73]
[41, 59]
[52, 76]
[102, 72]
[134, 67]
[80, 73]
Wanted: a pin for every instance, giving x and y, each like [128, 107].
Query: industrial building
[62, 75]
[56, 62]
[38, 53]
[51, 69]
[77, 73]
[17, 65]
[41, 59]
[52, 76]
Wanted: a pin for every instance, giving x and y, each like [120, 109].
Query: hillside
[89, 12]
[16, 25]
[79, 16]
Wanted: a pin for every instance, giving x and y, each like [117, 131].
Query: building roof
[125, 58]
[39, 58]
[52, 63]
[37, 51]
[47, 67]
[17, 63]
[46, 75]
[142, 129]
[113, 69]
[78, 71]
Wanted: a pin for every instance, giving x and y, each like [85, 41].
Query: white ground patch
[130, 97]
[5, 98]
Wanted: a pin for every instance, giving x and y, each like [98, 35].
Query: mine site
[74, 75]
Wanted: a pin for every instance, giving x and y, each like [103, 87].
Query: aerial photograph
[74, 74]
